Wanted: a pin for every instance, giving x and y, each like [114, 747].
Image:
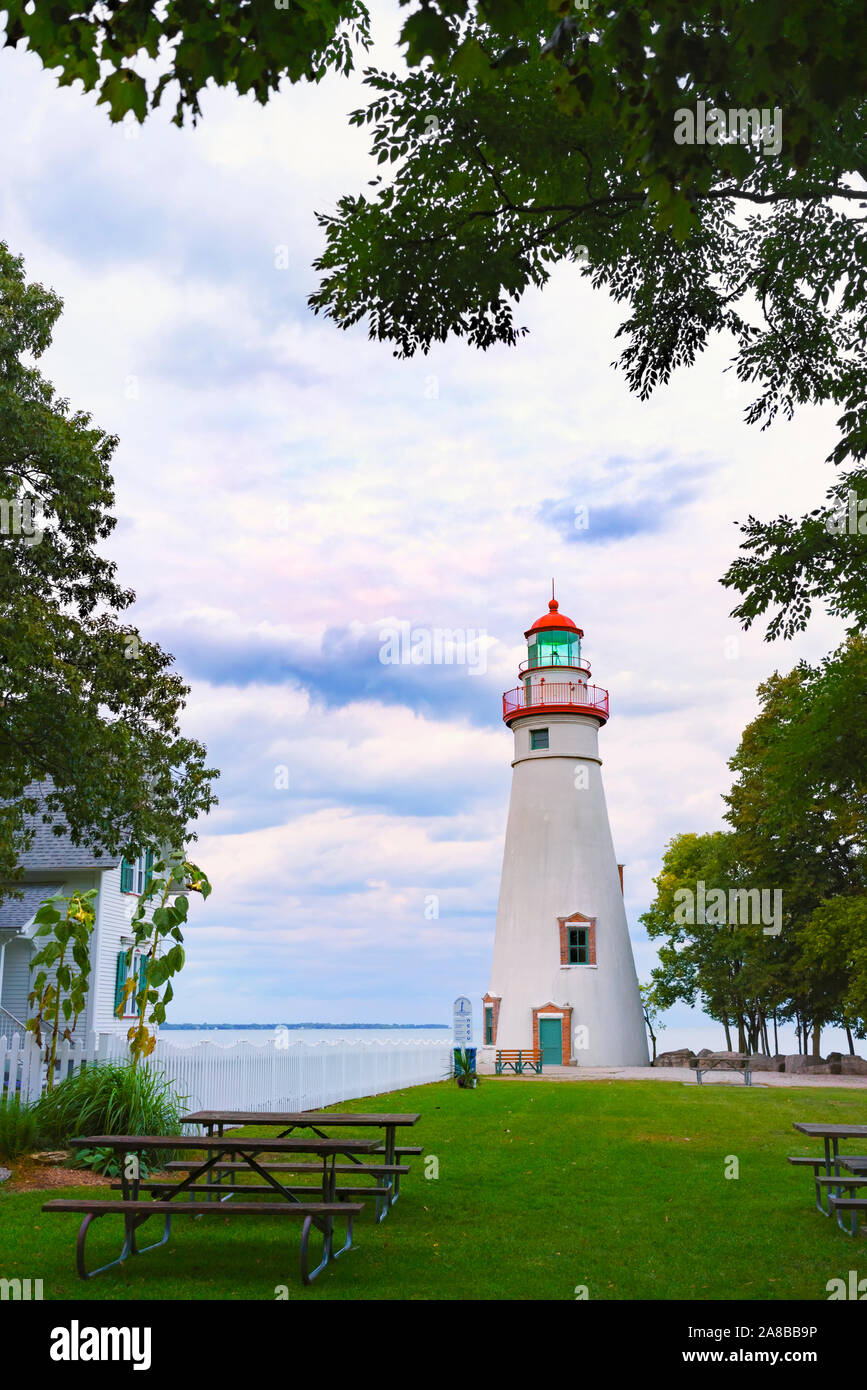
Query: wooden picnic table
[289, 1120]
[135, 1210]
[831, 1134]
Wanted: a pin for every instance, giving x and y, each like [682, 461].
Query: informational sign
[462, 1022]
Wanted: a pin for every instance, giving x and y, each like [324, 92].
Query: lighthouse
[563, 978]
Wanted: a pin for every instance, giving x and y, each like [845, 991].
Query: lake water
[261, 1037]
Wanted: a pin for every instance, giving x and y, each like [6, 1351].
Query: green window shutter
[142, 972]
[149, 867]
[125, 876]
[489, 1024]
[119, 982]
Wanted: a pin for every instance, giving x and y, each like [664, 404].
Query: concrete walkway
[684, 1075]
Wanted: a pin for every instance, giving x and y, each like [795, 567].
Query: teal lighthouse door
[551, 1041]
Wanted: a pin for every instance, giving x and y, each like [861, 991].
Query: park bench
[719, 1061]
[391, 1172]
[173, 1198]
[518, 1060]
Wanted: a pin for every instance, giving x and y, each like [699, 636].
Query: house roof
[51, 852]
[15, 913]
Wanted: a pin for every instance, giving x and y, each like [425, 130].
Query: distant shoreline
[222, 1027]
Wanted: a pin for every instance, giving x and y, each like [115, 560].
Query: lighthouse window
[579, 953]
[538, 738]
[489, 1024]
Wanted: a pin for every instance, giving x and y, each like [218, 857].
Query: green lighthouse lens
[553, 648]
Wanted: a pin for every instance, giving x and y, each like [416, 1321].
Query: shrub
[18, 1127]
[111, 1098]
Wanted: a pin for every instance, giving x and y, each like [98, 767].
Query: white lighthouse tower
[563, 978]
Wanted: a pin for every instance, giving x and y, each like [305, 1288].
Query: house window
[579, 948]
[538, 738]
[135, 968]
[136, 874]
[489, 1024]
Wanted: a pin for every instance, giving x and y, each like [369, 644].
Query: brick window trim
[492, 1001]
[565, 1013]
[577, 919]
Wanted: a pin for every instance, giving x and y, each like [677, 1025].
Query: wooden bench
[392, 1172]
[717, 1061]
[850, 1204]
[136, 1212]
[518, 1060]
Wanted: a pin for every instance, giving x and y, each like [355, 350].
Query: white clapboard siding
[245, 1076]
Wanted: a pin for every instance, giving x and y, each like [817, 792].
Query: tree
[728, 964]
[652, 1010]
[88, 707]
[535, 131]
[130, 51]
[151, 935]
[497, 164]
[62, 980]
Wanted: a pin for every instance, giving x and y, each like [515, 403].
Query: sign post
[462, 1022]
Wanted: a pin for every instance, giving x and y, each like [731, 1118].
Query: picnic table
[832, 1180]
[735, 1061]
[288, 1121]
[168, 1195]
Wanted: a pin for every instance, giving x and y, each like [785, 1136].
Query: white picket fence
[245, 1076]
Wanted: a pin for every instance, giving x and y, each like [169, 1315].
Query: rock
[50, 1156]
[5, 1173]
[796, 1063]
[853, 1066]
[680, 1058]
[761, 1062]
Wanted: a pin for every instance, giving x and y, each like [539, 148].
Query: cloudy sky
[285, 491]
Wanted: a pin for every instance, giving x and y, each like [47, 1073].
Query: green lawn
[542, 1186]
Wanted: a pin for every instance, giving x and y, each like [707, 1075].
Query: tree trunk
[742, 1038]
[776, 1039]
[817, 1038]
[851, 1043]
[729, 1047]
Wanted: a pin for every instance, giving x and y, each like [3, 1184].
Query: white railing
[246, 1076]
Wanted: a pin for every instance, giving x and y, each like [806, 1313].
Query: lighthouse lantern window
[578, 949]
[555, 647]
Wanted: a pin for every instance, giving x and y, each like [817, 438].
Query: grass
[542, 1187]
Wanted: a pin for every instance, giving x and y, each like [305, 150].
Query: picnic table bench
[718, 1061]
[288, 1121]
[831, 1180]
[169, 1196]
[518, 1060]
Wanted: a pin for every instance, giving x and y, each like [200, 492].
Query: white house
[563, 977]
[53, 864]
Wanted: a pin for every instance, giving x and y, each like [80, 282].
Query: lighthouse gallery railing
[543, 695]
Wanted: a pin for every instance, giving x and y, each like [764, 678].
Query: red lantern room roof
[554, 618]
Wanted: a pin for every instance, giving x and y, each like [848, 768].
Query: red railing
[554, 696]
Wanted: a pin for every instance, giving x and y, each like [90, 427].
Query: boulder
[680, 1058]
[853, 1066]
[5, 1173]
[797, 1063]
